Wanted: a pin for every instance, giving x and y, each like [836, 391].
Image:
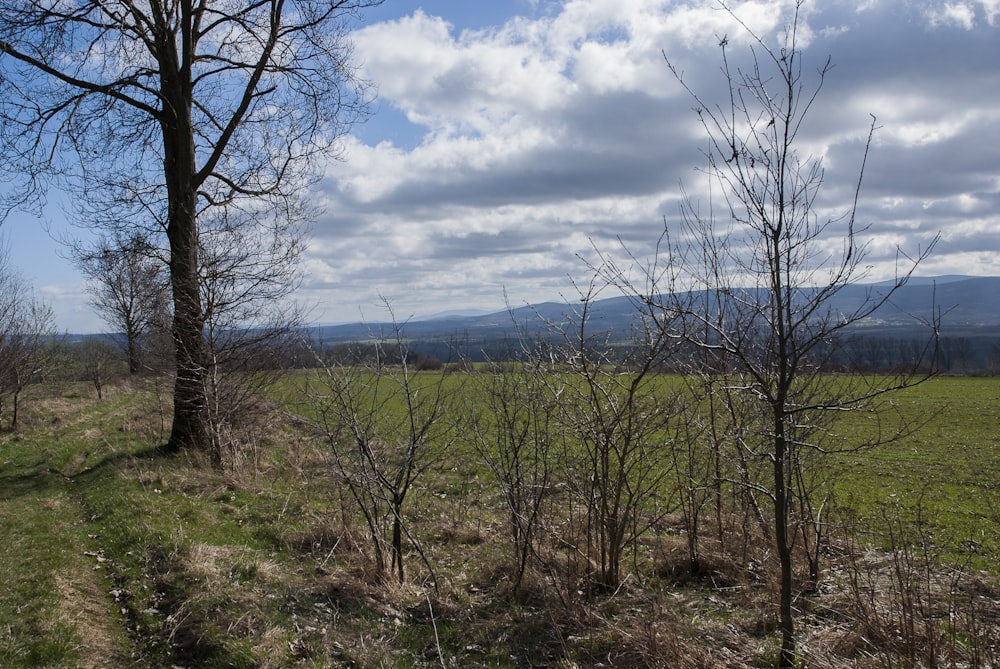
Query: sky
[513, 140]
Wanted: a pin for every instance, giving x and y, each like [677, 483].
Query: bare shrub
[511, 426]
[385, 427]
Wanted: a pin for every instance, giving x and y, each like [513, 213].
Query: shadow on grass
[39, 477]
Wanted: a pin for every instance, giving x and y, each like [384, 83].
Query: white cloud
[992, 10]
[468, 82]
[919, 132]
[964, 15]
[959, 14]
[546, 135]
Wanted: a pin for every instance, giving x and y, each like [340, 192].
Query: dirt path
[45, 509]
[87, 608]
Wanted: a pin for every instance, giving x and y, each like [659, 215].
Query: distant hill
[969, 308]
[963, 302]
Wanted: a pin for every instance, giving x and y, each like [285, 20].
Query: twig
[437, 640]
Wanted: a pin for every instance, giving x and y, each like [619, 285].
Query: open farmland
[118, 556]
[946, 475]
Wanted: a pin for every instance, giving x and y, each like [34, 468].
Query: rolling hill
[965, 304]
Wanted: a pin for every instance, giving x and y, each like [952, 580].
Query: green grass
[114, 554]
[48, 559]
[945, 476]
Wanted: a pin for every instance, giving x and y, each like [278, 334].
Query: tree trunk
[397, 539]
[190, 428]
[133, 350]
[14, 403]
[190, 424]
[786, 622]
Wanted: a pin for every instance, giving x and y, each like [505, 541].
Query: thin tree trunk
[397, 539]
[14, 403]
[786, 622]
[133, 351]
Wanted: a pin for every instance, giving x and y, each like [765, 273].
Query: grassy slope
[114, 556]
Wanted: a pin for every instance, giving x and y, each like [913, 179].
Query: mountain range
[967, 306]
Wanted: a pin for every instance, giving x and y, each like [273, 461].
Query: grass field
[946, 475]
[114, 555]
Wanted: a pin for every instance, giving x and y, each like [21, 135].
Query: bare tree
[386, 424]
[128, 288]
[759, 290]
[511, 415]
[622, 430]
[154, 112]
[248, 270]
[27, 328]
[100, 360]
[772, 280]
[12, 290]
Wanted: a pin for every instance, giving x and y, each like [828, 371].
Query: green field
[946, 475]
[114, 555]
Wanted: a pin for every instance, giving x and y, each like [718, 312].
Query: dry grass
[83, 606]
[266, 564]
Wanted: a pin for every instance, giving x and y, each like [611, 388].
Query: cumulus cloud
[535, 140]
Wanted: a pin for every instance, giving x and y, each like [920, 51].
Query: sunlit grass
[945, 475]
[66, 440]
[113, 550]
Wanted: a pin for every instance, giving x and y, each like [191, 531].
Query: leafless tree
[27, 330]
[512, 420]
[12, 291]
[993, 358]
[248, 268]
[386, 424]
[155, 112]
[760, 276]
[100, 360]
[129, 288]
[773, 281]
[621, 425]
